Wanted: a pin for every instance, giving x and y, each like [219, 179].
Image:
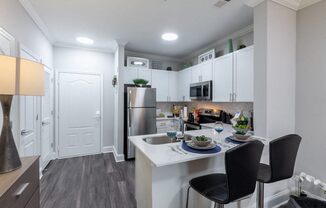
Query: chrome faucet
[182, 125]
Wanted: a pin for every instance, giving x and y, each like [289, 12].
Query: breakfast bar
[163, 171]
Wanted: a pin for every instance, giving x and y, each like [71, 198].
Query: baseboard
[107, 149]
[118, 157]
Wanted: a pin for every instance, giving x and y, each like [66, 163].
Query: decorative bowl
[241, 131]
[241, 136]
[202, 141]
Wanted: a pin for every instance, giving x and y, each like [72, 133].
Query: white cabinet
[167, 125]
[184, 80]
[244, 75]
[233, 77]
[223, 79]
[166, 84]
[160, 81]
[202, 72]
[129, 74]
[145, 74]
[173, 86]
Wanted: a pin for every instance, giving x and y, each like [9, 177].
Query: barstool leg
[188, 196]
[260, 195]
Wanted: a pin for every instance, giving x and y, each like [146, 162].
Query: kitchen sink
[156, 140]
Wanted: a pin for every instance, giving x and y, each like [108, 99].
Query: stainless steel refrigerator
[141, 115]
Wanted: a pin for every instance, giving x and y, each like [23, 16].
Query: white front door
[47, 123]
[29, 118]
[79, 114]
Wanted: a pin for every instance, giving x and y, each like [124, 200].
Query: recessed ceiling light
[85, 40]
[139, 63]
[169, 36]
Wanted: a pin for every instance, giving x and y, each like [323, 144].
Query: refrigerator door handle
[129, 118]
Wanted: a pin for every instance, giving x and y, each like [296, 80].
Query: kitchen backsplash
[232, 108]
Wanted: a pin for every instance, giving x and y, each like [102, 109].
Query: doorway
[79, 114]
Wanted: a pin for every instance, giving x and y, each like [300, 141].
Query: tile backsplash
[232, 108]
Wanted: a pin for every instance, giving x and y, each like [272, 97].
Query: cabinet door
[129, 74]
[195, 74]
[160, 81]
[223, 79]
[244, 75]
[145, 74]
[173, 86]
[206, 71]
[184, 80]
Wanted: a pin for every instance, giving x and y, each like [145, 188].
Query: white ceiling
[141, 22]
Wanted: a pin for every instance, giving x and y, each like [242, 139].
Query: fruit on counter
[161, 115]
[241, 127]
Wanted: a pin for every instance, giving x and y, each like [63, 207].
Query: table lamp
[17, 77]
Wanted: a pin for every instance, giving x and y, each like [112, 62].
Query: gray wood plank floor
[95, 181]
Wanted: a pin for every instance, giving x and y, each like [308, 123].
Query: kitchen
[163, 104]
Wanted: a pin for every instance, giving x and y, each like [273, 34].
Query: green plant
[140, 82]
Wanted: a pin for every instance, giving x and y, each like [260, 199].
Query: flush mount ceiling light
[169, 36]
[85, 40]
[139, 63]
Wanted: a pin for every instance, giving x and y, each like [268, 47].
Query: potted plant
[140, 82]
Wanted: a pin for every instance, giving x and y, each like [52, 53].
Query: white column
[275, 66]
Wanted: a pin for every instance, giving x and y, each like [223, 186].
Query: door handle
[129, 119]
[21, 190]
[25, 132]
[45, 123]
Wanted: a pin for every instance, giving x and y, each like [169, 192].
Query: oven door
[196, 91]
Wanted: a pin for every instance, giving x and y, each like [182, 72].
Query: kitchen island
[162, 173]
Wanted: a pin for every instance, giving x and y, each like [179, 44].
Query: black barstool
[241, 165]
[282, 155]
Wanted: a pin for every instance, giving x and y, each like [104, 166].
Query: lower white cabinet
[167, 125]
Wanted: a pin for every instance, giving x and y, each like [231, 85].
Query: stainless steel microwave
[201, 91]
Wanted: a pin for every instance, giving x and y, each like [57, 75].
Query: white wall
[275, 69]
[80, 60]
[15, 20]
[19, 24]
[311, 89]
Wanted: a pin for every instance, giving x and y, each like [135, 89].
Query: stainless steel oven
[201, 91]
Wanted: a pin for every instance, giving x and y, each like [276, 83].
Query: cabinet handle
[21, 189]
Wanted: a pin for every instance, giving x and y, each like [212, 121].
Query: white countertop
[212, 125]
[162, 155]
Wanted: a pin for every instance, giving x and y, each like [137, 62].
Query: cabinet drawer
[162, 124]
[23, 189]
[35, 200]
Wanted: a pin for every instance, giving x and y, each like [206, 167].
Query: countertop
[166, 118]
[162, 155]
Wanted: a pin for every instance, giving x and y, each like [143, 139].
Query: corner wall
[311, 89]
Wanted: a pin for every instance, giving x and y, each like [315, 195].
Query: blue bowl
[171, 134]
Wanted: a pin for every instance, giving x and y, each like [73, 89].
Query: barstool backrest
[282, 155]
[241, 164]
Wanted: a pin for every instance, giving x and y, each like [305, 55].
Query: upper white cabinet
[244, 75]
[202, 72]
[173, 86]
[160, 81]
[145, 74]
[233, 77]
[223, 79]
[166, 84]
[184, 81]
[131, 73]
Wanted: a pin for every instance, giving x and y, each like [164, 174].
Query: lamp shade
[8, 68]
[30, 78]
[21, 77]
